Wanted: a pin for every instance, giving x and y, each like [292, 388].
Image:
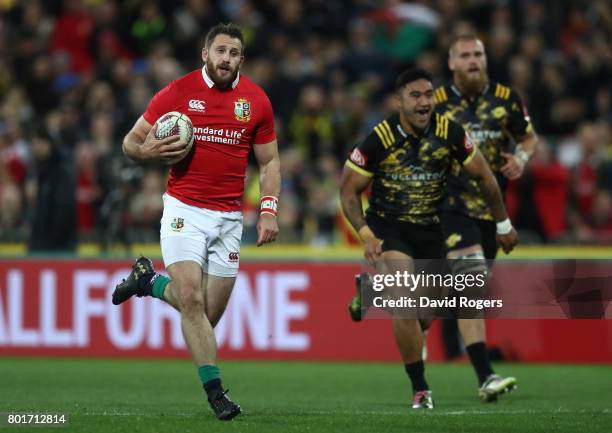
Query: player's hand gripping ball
[175, 123]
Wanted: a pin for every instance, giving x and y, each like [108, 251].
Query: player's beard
[213, 73]
[472, 83]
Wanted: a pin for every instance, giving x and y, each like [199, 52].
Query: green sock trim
[208, 373]
[159, 285]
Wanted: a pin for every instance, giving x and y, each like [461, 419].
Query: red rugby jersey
[226, 124]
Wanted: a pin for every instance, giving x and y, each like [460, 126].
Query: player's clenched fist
[508, 241]
[267, 229]
[372, 250]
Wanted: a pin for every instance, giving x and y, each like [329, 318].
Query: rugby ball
[175, 123]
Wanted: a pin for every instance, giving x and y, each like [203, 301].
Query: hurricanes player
[201, 226]
[494, 117]
[407, 159]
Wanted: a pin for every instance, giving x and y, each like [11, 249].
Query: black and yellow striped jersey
[494, 120]
[409, 172]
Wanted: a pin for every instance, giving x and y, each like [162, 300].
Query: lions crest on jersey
[177, 224]
[242, 110]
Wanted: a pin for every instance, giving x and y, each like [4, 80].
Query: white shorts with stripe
[208, 237]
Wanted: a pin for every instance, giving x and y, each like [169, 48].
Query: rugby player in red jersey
[201, 226]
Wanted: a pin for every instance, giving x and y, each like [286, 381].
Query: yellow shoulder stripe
[502, 92]
[441, 126]
[383, 134]
[389, 131]
[440, 95]
[350, 164]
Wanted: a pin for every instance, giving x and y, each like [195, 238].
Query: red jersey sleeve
[160, 104]
[265, 130]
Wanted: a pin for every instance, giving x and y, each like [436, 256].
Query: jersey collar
[458, 92]
[210, 83]
[401, 130]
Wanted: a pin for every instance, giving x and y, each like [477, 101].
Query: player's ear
[204, 54]
[451, 64]
[241, 54]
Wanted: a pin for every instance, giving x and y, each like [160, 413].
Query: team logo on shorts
[177, 224]
[453, 239]
[242, 110]
[234, 257]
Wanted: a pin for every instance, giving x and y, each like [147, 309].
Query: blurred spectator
[108, 37]
[150, 26]
[39, 84]
[72, 35]
[11, 208]
[146, 206]
[310, 127]
[293, 193]
[538, 201]
[403, 30]
[188, 22]
[604, 175]
[601, 217]
[54, 224]
[323, 201]
[584, 185]
[87, 191]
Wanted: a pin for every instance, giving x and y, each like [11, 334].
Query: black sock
[480, 360]
[212, 388]
[416, 372]
[145, 284]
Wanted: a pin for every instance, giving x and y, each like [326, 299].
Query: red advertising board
[278, 310]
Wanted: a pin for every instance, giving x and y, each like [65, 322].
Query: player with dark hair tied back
[201, 226]
[494, 117]
[406, 159]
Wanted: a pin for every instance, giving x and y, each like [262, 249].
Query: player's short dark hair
[410, 75]
[229, 29]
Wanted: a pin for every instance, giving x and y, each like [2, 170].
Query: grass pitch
[164, 396]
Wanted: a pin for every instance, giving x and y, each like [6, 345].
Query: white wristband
[269, 204]
[522, 156]
[504, 227]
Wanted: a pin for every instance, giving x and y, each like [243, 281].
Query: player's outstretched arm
[140, 143]
[352, 185]
[269, 185]
[478, 169]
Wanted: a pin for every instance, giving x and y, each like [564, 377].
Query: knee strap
[473, 263]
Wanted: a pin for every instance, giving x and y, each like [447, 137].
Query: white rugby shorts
[208, 237]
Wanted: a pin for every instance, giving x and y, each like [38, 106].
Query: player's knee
[190, 297]
[470, 272]
[473, 263]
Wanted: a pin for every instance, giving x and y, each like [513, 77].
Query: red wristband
[269, 204]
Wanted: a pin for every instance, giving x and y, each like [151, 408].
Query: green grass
[164, 396]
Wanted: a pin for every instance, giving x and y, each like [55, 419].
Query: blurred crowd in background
[76, 74]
